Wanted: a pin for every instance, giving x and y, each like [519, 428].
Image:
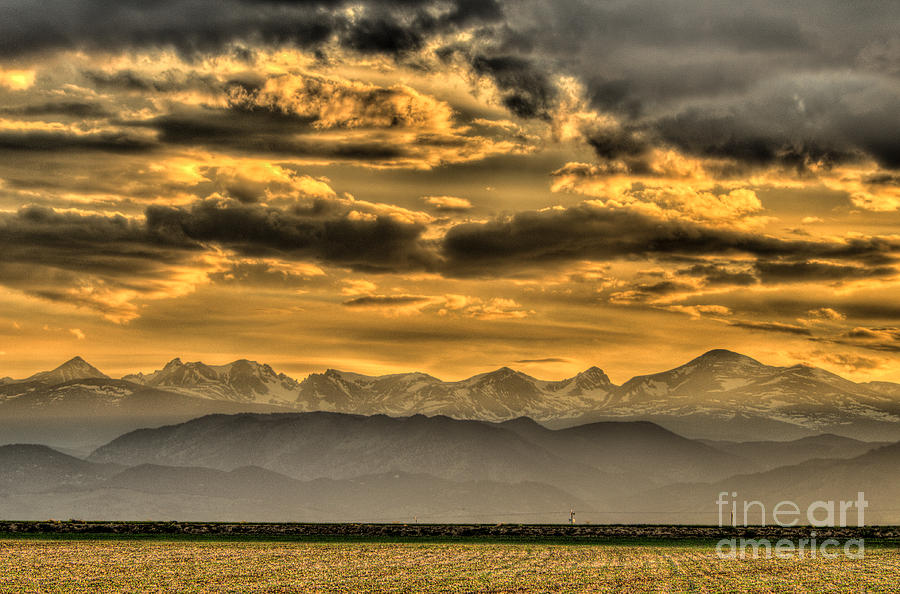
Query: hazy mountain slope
[886, 388]
[88, 412]
[873, 473]
[765, 455]
[309, 445]
[338, 446]
[38, 483]
[391, 496]
[633, 447]
[27, 468]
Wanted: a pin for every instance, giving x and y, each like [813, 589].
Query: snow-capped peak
[241, 380]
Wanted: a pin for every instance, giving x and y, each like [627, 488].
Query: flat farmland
[104, 565]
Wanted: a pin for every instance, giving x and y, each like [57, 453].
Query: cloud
[90, 260]
[497, 308]
[804, 272]
[387, 301]
[108, 142]
[716, 275]
[882, 338]
[312, 118]
[267, 273]
[110, 263]
[525, 90]
[77, 333]
[666, 184]
[591, 231]
[448, 203]
[358, 287]
[777, 327]
[826, 313]
[699, 311]
[758, 88]
[203, 25]
[74, 109]
[849, 361]
[17, 80]
[650, 292]
[545, 360]
[363, 241]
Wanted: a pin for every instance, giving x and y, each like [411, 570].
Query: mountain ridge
[720, 394]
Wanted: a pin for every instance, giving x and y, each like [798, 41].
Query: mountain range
[719, 395]
[325, 466]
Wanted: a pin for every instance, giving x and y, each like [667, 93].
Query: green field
[46, 565]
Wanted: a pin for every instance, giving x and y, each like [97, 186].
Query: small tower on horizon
[571, 516]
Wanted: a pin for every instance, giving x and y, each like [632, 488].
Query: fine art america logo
[787, 514]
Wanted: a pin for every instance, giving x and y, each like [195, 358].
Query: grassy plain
[79, 565]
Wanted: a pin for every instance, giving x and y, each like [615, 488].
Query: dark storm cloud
[264, 132]
[189, 25]
[789, 84]
[792, 84]
[378, 243]
[618, 144]
[525, 90]
[74, 109]
[87, 244]
[165, 82]
[778, 272]
[883, 179]
[381, 36]
[110, 142]
[64, 256]
[207, 25]
[587, 232]
[775, 133]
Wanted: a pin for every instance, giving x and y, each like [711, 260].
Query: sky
[450, 186]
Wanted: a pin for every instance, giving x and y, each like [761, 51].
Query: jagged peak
[593, 372]
[593, 376]
[176, 362]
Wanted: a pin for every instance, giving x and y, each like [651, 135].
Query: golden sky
[449, 186]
